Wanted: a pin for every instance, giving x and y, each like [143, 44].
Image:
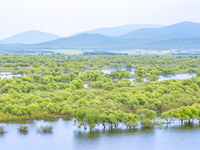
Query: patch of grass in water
[23, 129]
[45, 129]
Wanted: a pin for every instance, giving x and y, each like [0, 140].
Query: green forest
[53, 87]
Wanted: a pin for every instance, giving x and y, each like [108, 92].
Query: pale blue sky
[66, 17]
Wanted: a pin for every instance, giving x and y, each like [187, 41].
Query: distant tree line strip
[103, 53]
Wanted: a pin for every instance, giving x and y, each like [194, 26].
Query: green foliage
[124, 83]
[147, 117]
[91, 65]
[152, 78]
[108, 86]
[119, 74]
[131, 120]
[128, 66]
[45, 129]
[53, 88]
[78, 84]
[23, 128]
[138, 80]
[149, 88]
[2, 129]
[198, 74]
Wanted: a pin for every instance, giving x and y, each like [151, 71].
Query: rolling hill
[183, 36]
[180, 30]
[121, 30]
[29, 37]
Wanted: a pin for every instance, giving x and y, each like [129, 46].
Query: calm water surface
[8, 75]
[66, 136]
[176, 76]
[161, 78]
[131, 70]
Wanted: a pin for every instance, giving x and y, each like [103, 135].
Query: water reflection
[23, 133]
[51, 120]
[183, 127]
[23, 122]
[67, 136]
[96, 133]
[2, 135]
[87, 135]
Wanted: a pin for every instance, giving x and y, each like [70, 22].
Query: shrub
[23, 128]
[45, 129]
[2, 129]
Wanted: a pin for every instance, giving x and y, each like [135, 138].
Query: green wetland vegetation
[52, 87]
[22, 128]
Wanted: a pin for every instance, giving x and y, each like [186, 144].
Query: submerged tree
[147, 117]
[45, 129]
[23, 128]
[2, 129]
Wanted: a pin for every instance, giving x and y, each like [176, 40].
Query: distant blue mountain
[184, 35]
[180, 30]
[81, 41]
[120, 30]
[169, 37]
[29, 37]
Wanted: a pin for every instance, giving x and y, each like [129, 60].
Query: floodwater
[161, 77]
[169, 77]
[65, 136]
[68, 137]
[8, 75]
[177, 76]
[131, 70]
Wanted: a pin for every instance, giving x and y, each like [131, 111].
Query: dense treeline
[146, 66]
[50, 90]
[17, 104]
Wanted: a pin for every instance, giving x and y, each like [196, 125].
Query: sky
[66, 17]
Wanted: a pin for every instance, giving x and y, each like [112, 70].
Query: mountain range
[29, 37]
[183, 36]
[121, 30]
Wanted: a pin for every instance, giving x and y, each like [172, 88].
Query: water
[85, 85]
[5, 73]
[176, 76]
[161, 78]
[131, 70]
[66, 136]
[9, 75]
